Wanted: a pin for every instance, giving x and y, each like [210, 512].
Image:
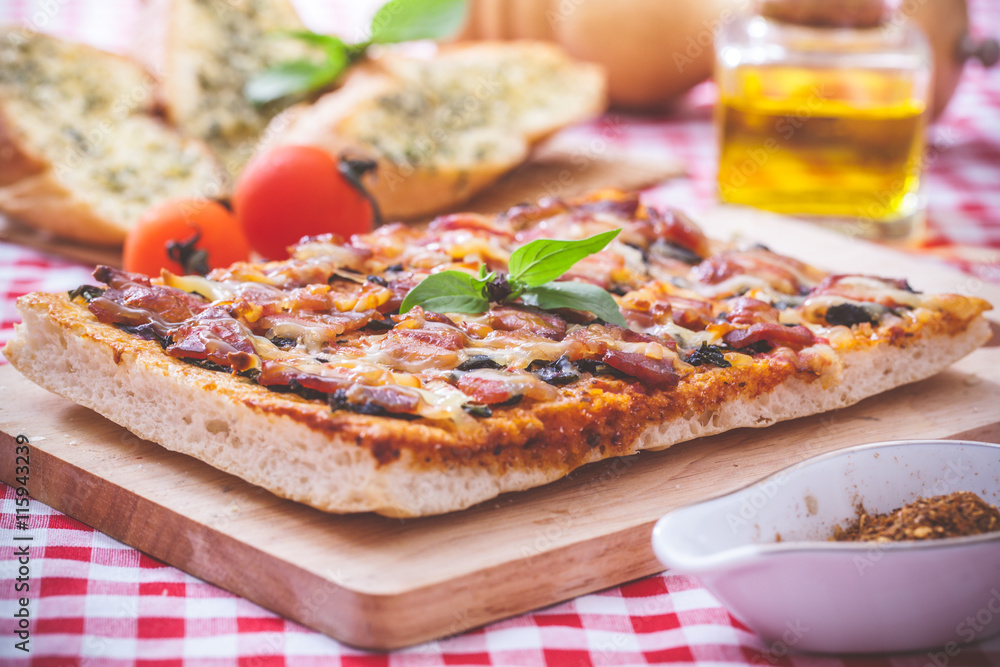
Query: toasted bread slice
[203, 53]
[444, 128]
[47, 86]
[81, 157]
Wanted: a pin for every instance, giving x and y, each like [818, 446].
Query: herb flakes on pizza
[418, 371]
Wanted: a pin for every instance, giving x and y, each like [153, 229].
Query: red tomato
[178, 220]
[295, 191]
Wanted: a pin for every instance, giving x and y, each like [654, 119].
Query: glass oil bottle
[821, 113]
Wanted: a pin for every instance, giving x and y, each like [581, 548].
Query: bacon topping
[341, 392]
[675, 227]
[490, 387]
[140, 299]
[781, 273]
[594, 343]
[469, 221]
[220, 341]
[520, 217]
[278, 375]
[838, 286]
[431, 346]
[657, 304]
[397, 400]
[747, 311]
[655, 373]
[630, 336]
[622, 205]
[485, 390]
[775, 335]
[537, 322]
[316, 327]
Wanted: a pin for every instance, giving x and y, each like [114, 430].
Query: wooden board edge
[364, 620]
[88, 501]
[585, 567]
[17, 233]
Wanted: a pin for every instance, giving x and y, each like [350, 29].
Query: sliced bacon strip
[746, 310]
[221, 341]
[341, 392]
[595, 343]
[471, 222]
[656, 304]
[624, 205]
[694, 314]
[830, 281]
[630, 336]
[488, 391]
[675, 227]
[444, 336]
[130, 300]
[537, 322]
[780, 272]
[327, 326]
[400, 286]
[775, 335]
[433, 345]
[655, 373]
[494, 386]
[835, 286]
[391, 398]
[520, 217]
[277, 374]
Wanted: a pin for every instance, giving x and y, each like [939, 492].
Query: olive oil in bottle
[825, 122]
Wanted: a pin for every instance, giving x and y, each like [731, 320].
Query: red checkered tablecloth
[95, 601]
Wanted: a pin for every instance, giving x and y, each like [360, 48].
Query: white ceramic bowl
[807, 594]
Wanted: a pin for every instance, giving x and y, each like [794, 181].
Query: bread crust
[344, 462]
[39, 181]
[44, 203]
[47, 202]
[166, 45]
[428, 181]
[17, 160]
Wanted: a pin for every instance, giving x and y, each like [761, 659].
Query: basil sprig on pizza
[531, 279]
[341, 379]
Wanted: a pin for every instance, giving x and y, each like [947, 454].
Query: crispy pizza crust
[344, 462]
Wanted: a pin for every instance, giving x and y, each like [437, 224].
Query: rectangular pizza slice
[303, 376]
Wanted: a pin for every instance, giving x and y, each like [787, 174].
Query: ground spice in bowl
[958, 514]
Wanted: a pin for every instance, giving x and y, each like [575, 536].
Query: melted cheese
[685, 337]
[209, 289]
[734, 285]
[871, 289]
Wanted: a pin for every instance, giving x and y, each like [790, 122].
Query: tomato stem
[193, 260]
[353, 169]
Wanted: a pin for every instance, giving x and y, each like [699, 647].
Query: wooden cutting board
[385, 583]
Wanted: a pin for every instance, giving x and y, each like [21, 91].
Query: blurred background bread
[203, 52]
[443, 128]
[82, 156]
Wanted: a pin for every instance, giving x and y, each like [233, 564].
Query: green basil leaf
[544, 260]
[407, 20]
[297, 77]
[575, 295]
[448, 292]
[328, 43]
